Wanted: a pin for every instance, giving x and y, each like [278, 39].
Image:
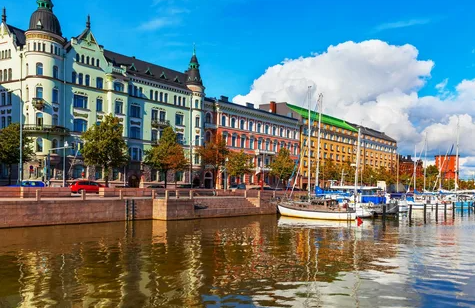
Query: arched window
[267, 129]
[10, 74]
[82, 59]
[274, 130]
[1, 75]
[54, 145]
[39, 119]
[55, 120]
[161, 96]
[259, 127]
[97, 62]
[242, 124]
[73, 77]
[55, 72]
[251, 126]
[3, 54]
[87, 60]
[156, 96]
[39, 69]
[233, 123]
[9, 53]
[166, 97]
[174, 99]
[92, 61]
[208, 136]
[151, 95]
[80, 79]
[88, 80]
[80, 125]
[208, 118]
[223, 120]
[39, 144]
[39, 92]
[183, 101]
[77, 57]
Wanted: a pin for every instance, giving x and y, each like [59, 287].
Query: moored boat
[324, 209]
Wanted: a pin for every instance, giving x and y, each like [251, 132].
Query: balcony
[210, 125]
[160, 123]
[49, 129]
[38, 103]
[264, 152]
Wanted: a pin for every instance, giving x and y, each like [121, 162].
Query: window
[233, 141]
[97, 63]
[197, 140]
[166, 98]
[274, 130]
[118, 107]
[80, 125]
[154, 135]
[119, 87]
[99, 105]
[73, 77]
[242, 124]
[10, 74]
[80, 101]
[179, 100]
[55, 72]
[197, 104]
[135, 154]
[82, 58]
[267, 129]
[233, 123]
[9, 120]
[1, 75]
[179, 119]
[243, 142]
[179, 138]
[135, 132]
[140, 92]
[223, 120]
[174, 100]
[156, 96]
[251, 126]
[39, 92]
[163, 116]
[197, 122]
[154, 114]
[87, 60]
[77, 57]
[80, 78]
[39, 69]
[39, 119]
[151, 95]
[161, 96]
[259, 144]
[39, 144]
[92, 61]
[197, 159]
[258, 127]
[88, 80]
[251, 144]
[208, 118]
[55, 96]
[55, 120]
[100, 83]
[281, 132]
[3, 122]
[135, 111]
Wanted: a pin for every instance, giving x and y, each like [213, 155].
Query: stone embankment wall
[43, 210]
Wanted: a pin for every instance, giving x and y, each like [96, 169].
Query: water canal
[259, 261]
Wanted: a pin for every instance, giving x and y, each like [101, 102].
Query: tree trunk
[215, 174]
[106, 175]
[166, 177]
[10, 175]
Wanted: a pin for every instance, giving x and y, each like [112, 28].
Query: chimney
[249, 105]
[273, 107]
[224, 99]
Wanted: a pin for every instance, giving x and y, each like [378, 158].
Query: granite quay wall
[174, 205]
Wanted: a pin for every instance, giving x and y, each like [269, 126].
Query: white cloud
[158, 23]
[376, 84]
[402, 24]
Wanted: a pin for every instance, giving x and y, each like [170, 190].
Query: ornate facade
[61, 88]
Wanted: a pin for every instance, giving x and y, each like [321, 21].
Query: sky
[404, 67]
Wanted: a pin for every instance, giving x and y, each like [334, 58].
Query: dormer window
[148, 72]
[132, 68]
[163, 76]
[176, 79]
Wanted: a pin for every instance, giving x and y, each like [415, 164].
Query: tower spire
[4, 15]
[88, 22]
[194, 49]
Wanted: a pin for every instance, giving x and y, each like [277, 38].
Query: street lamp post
[20, 165]
[225, 174]
[66, 145]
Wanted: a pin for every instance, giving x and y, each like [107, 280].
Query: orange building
[446, 165]
[406, 166]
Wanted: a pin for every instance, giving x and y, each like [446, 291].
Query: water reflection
[246, 262]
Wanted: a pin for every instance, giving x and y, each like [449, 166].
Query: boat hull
[321, 215]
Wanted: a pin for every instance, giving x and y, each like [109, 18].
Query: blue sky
[237, 40]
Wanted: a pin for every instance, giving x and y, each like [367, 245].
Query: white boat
[316, 209]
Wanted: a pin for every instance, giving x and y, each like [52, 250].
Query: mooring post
[38, 195]
[425, 212]
[410, 213]
[127, 209]
[153, 194]
[133, 209]
[469, 209]
[384, 213]
[177, 194]
[83, 195]
[259, 194]
[461, 207]
[437, 211]
[191, 194]
[245, 193]
[121, 196]
[167, 195]
[445, 211]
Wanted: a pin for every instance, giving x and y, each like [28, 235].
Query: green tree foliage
[214, 154]
[239, 163]
[167, 155]
[104, 146]
[283, 165]
[10, 148]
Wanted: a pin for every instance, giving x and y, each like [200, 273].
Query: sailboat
[317, 208]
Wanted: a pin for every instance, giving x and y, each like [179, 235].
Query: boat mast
[457, 156]
[425, 164]
[397, 173]
[415, 167]
[358, 149]
[320, 106]
[308, 142]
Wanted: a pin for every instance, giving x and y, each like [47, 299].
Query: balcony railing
[52, 129]
[38, 103]
[261, 152]
[160, 123]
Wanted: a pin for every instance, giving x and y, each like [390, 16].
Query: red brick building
[446, 165]
[259, 133]
[406, 166]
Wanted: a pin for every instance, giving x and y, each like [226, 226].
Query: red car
[87, 186]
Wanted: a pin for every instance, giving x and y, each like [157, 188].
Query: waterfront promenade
[23, 207]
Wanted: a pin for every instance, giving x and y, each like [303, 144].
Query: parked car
[87, 186]
[28, 183]
[155, 186]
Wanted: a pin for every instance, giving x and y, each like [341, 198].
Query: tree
[214, 153]
[167, 155]
[104, 145]
[10, 148]
[283, 165]
[239, 164]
